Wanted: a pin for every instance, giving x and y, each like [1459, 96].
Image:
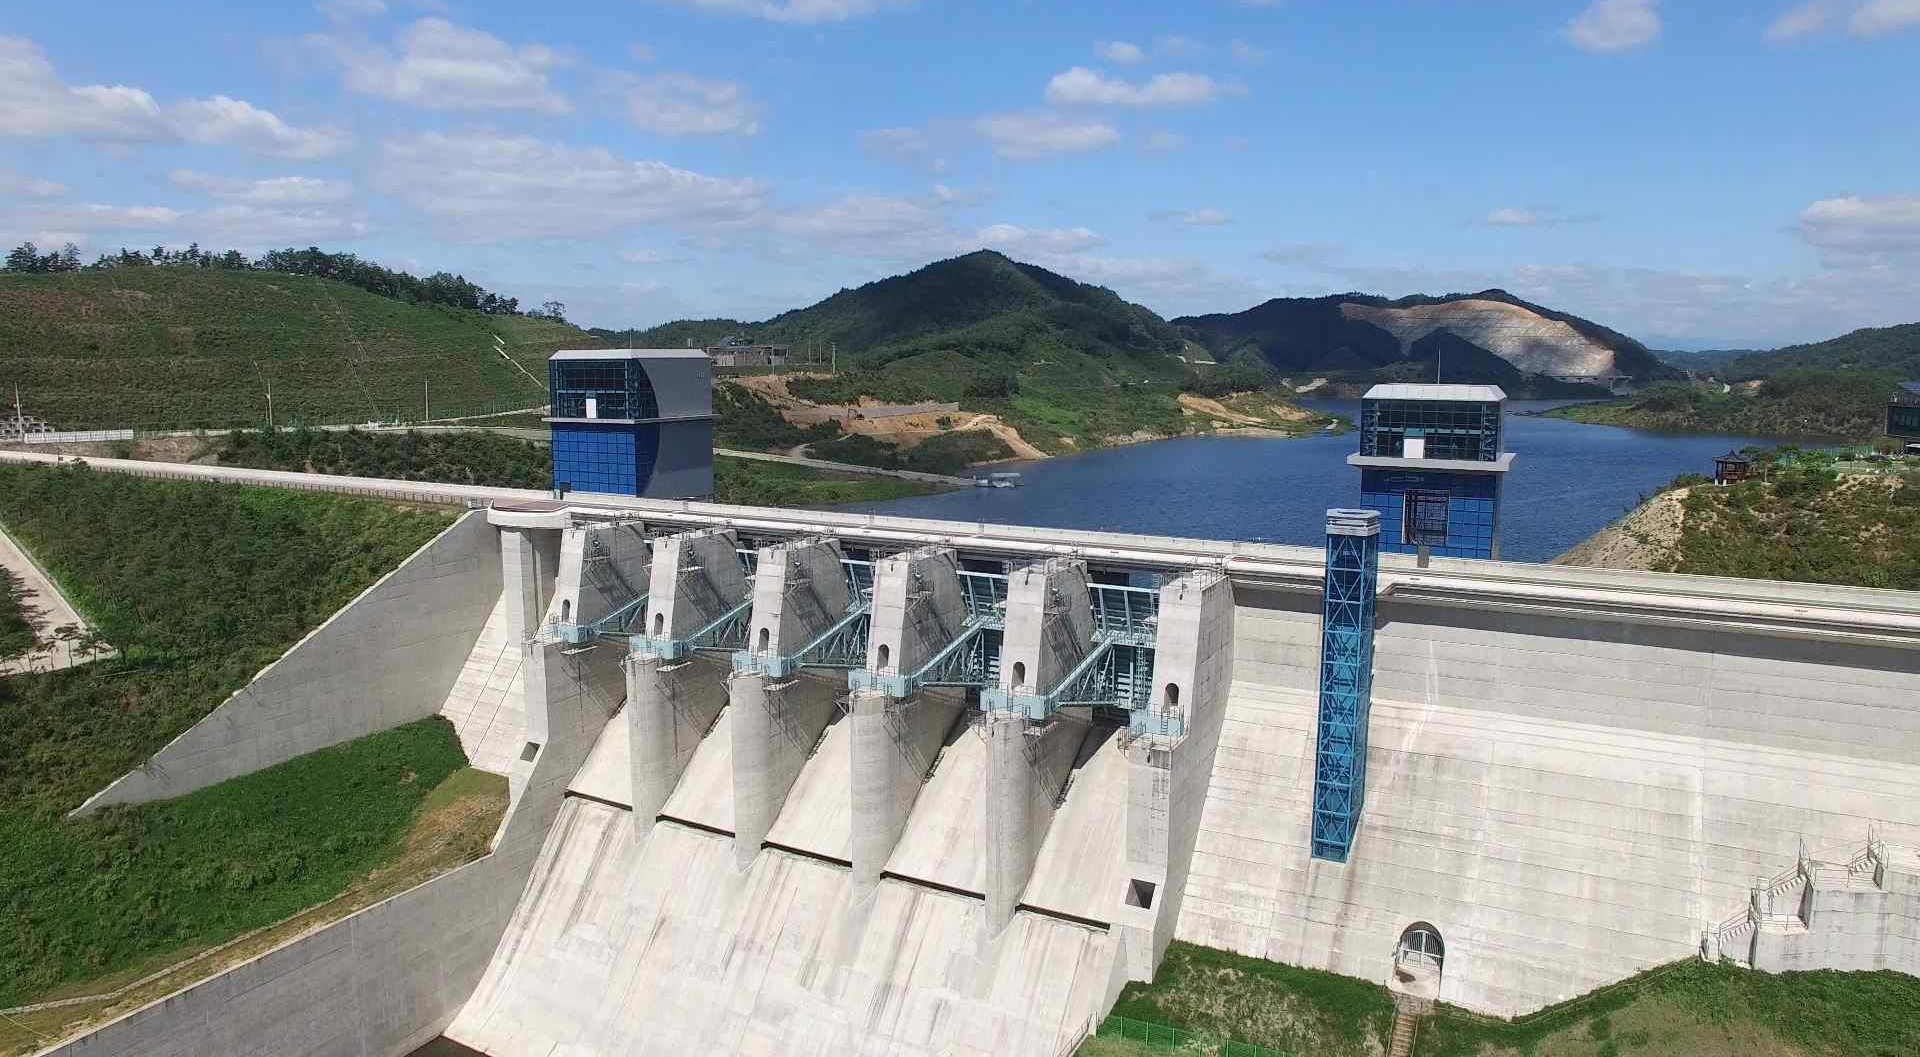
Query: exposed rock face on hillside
[1530, 342]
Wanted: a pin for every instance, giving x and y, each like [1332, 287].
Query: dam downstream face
[1568, 481]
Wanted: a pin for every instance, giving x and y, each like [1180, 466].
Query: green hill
[1490, 336]
[1826, 405]
[1069, 364]
[1895, 350]
[175, 347]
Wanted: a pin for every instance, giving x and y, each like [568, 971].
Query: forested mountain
[1491, 336]
[979, 303]
[1891, 349]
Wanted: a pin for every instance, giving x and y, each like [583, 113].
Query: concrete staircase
[1860, 913]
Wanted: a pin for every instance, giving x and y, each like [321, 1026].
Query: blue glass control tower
[633, 422]
[1431, 465]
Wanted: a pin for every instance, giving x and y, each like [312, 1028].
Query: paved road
[846, 467]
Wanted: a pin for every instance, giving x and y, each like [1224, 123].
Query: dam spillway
[1572, 776]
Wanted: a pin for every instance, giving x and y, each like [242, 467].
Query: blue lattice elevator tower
[632, 422]
[1346, 680]
[1431, 466]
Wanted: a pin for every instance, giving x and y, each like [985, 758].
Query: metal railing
[1179, 1040]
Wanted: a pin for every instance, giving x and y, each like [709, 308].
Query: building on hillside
[1903, 412]
[1430, 463]
[738, 352]
[633, 422]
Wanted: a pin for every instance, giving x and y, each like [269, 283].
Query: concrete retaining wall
[1568, 800]
[389, 657]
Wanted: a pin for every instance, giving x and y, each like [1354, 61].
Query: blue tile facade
[614, 458]
[1472, 502]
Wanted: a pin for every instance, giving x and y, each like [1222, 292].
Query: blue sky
[1695, 175]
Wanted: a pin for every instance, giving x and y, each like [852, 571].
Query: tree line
[440, 288]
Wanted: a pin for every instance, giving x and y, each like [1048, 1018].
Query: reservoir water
[1568, 481]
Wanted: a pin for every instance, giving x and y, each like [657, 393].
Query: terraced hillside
[184, 348]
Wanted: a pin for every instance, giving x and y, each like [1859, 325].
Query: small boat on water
[998, 480]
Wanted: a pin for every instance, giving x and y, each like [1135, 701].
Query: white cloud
[909, 146]
[441, 66]
[1803, 20]
[1016, 241]
[230, 225]
[38, 105]
[350, 10]
[648, 257]
[1175, 46]
[1081, 86]
[1509, 217]
[273, 191]
[1163, 142]
[793, 11]
[1044, 135]
[1867, 19]
[1608, 26]
[235, 122]
[680, 104]
[1119, 51]
[12, 183]
[1855, 231]
[488, 185]
[1246, 54]
[1879, 18]
[1192, 218]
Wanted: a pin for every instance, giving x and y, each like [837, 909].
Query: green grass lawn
[1699, 1009]
[1687, 1009]
[1220, 996]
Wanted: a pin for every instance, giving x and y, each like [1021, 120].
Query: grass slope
[1807, 524]
[1687, 1009]
[1812, 404]
[178, 347]
[133, 888]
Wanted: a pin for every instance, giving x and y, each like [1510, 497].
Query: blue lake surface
[1568, 481]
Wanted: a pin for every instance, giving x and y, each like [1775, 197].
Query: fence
[1178, 1040]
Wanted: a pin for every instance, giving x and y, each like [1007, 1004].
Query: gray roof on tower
[1463, 393]
[629, 354]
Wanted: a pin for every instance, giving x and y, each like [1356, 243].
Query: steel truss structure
[1346, 680]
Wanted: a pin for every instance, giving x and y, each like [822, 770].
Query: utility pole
[426, 398]
[264, 380]
[833, 363]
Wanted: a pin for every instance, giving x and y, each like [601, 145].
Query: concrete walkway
[47, 609]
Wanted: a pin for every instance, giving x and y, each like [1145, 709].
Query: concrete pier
[1049, 629]
[918, 609]
[1170, 757]
[695, 578]
[800, 590]
[670, 706]
[602, 568]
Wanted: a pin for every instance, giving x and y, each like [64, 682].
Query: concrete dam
[809, 783]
